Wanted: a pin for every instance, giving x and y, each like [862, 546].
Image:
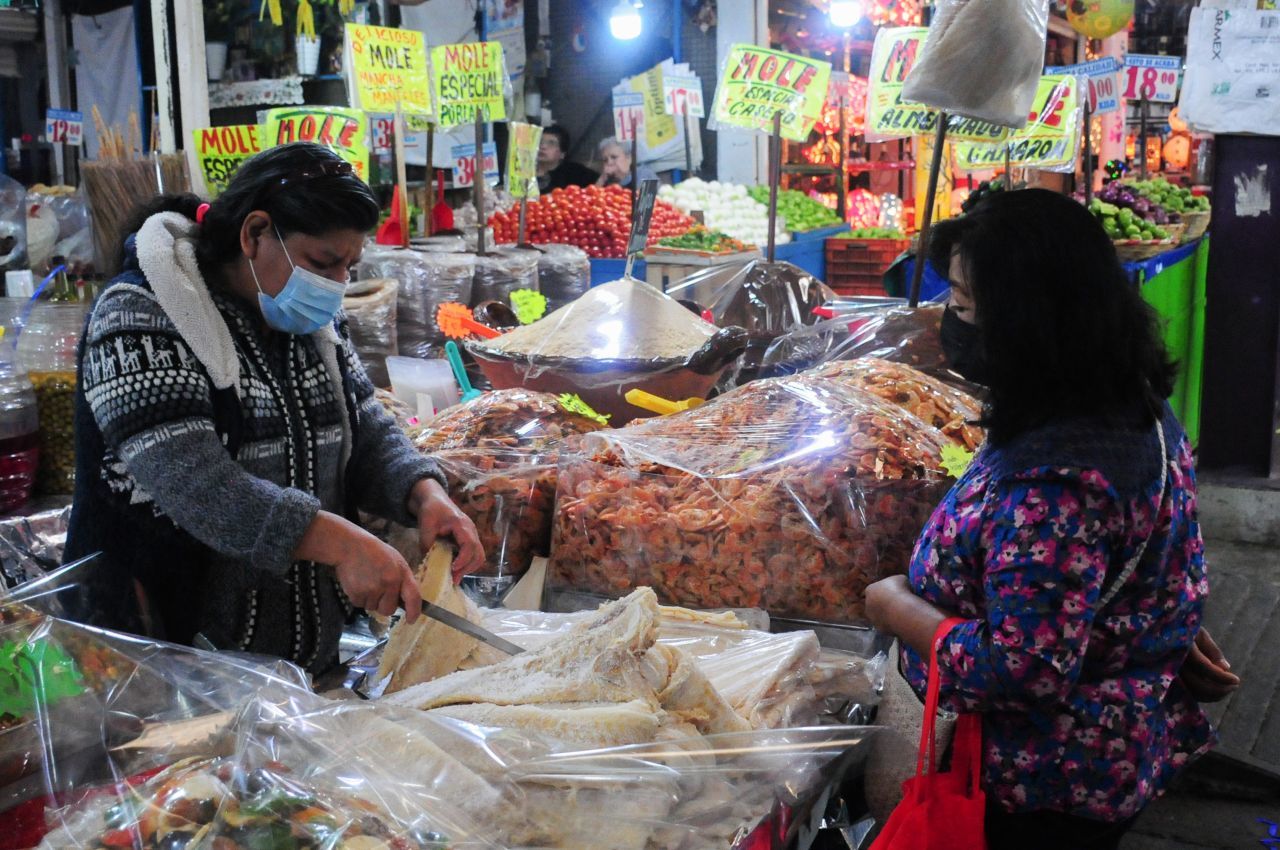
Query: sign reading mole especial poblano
[467, 78]
[759, 83]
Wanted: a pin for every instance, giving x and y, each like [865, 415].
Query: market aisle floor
[1233, 808]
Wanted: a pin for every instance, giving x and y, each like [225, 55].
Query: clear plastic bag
[950, 411]
[426, 281]
[982, 59]
[768, 299]
[499, 453]
[502, 272]
[13, 224]
[789, 494]
[136, 744]
[31, 546]
[564, 274]
[618, 336]
[72, 236]
[370, 306]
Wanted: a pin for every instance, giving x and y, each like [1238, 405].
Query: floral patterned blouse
[1082, 709]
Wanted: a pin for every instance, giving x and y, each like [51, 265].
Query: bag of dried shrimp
[499, 453]
[789, 494]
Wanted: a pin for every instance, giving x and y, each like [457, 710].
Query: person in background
[554, 170]
[616, 159]
[226, 432]
[1071, 545]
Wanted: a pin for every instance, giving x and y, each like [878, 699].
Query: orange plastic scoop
[455, 321]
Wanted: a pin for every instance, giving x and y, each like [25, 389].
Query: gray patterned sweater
[206, 444]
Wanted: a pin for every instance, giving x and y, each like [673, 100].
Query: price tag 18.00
[464, 164]
[683, 95]
[64, 127]
[628, 116]
[1154, 78]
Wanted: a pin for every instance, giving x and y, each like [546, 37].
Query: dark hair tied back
[301, 186]
[1065, 333]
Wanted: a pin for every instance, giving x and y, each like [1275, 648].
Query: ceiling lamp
[845, 13]
[624, 21]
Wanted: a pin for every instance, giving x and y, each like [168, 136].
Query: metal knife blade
[467, 627]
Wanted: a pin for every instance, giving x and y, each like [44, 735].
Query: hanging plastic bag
[982, 59]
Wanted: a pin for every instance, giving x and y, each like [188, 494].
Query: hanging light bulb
[845, 13]
[624, 21]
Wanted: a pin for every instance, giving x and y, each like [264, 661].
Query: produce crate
[857, 266]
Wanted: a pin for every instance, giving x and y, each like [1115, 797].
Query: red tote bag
[941, 810]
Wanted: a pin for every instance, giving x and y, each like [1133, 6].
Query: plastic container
[426, 385]
[19, 437]
[47, 350]
[857, 266]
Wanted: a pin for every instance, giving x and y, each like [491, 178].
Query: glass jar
[47, 349]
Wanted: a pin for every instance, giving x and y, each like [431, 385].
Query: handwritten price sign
[1152, 77]
[683, 96]
[628, 116]
[64, 127]
[464, 164]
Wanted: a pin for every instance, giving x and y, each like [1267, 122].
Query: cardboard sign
[64, 127]
[682, 95]
[1100, 86]
[759, 83]
[1152, 77]
[343, 131]
[468, 78]
[645, 199]
[387, 67]
[628, 116]
[464, 164]
[221, 150]
[1049, 141]
[893, 56]
[522, 159]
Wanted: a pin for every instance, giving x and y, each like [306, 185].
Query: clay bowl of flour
[617, 337]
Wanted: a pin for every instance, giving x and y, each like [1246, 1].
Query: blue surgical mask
[307, 303]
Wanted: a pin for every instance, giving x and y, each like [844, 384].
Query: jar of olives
[47, 349]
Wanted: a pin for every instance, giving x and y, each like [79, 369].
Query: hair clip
[200, 213]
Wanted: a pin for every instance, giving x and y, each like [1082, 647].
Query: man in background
[554, 171]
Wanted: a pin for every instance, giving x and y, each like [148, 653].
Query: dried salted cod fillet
[690, 696]
[600, 660]
[583, 725]
[428, 649]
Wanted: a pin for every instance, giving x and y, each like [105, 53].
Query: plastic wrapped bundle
[370, 306]
[564, 274]
[502, 272]
[768, 299]
[982, 59]
[789, 494]
[426, 280]
[944, 407]
[151, 746]
[499, 453]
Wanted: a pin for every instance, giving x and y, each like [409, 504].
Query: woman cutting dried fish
[1070, 547]
[227, 433]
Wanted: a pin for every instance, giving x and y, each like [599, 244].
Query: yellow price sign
[1050, 139]
[759, 83]
[388, 68]
[221, 150]
[343, 131]
[467, 79]
[522, 159]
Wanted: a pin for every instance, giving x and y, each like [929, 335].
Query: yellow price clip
[955, 459]
[659, 405]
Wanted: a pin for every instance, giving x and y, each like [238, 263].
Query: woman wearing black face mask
[1070, 547]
